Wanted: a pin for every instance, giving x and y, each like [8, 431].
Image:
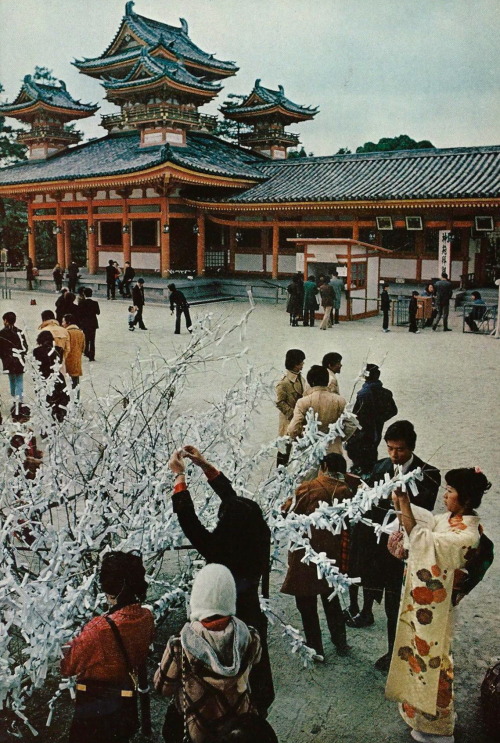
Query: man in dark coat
[13, 350]
[381, 572]
[240, 541]
[372, 411]
[72, 276]
[111, 273]
[138, 300]
[310, 302]
[88, 311]
[444, 291]
[385, 306]
[128, 277]
[179, 301]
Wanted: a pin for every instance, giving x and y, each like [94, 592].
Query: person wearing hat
[138, 301]
[206, 669]
[241, 541]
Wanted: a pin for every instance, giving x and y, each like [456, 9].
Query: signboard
[444, 255]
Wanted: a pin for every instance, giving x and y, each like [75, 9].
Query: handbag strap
[119, 641]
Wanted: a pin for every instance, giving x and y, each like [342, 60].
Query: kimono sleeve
[448, 548]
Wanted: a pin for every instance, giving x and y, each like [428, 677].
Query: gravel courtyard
[447, 385]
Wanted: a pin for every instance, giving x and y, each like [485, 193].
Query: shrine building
[162, 191]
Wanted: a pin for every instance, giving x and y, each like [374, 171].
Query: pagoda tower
[159, 78]
[267, 112]
[47, 108]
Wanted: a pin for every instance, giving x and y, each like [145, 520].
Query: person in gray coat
[444, 291]
[338, 287]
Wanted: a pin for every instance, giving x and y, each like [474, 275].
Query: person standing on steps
[111, 279]
[385, 306]
[128, 277]
[444, 292]
[180, 303]
[139, 301]
[73, 277]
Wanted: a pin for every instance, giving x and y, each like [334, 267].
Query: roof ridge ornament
[128, 8]
[166, 151]
[184, 26]
[281, 90]
[62, 85]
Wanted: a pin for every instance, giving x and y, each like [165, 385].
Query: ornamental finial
[128, 7]
[184, 26]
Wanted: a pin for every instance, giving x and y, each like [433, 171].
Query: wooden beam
[200, 245]
[164, 238]
[276, 243]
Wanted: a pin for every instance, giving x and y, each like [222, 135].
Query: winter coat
[310, 291]
[385, 302]
[338, 287]
[366, 411]
[444, 291]
[295, 298]
[206, 671]
[87, 314]
[329, 408]
[178, 299]
[13, 349]
[76, 349]
[59, 334]
[138, 296]
[302, 579]
[289, 389]
[327, 295]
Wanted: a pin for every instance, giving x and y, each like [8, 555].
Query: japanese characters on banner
[444, 256]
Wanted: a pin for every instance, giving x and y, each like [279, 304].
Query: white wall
[372, 283]
[286, 263]
[248, 262]
[151, 261]
[404, 268]
[106, 256]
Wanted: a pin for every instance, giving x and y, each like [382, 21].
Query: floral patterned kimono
[421, 672]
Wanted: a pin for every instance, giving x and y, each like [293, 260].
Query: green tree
[403, 142]
[343, 151]
[44, 75]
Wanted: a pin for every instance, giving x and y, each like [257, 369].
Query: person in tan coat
[77, 347]
[328, 406]
[302, 580]
[59, 334]
[289, 389]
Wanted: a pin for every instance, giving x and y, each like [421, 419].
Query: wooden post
[91, 247]
[31, 235]
[276, 243]
[264, 244]
[164, 238]
[61, 257]
[126, 236]
[355, 231]
[200, 245]
[232, 249]
[419, 251]
[67, 242]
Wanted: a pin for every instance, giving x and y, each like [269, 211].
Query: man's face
[335, 368]
[298, 367]
[398, 451]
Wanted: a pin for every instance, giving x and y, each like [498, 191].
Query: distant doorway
[182, 245]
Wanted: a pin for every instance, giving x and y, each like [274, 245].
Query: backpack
[384, 404]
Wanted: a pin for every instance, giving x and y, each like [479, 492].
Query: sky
[375, 68]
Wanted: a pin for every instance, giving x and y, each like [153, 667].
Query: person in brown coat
[328, 406]
[76, 349]
[302, 580]
[59, 334]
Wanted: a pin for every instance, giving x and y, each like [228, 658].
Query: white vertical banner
[444, 255]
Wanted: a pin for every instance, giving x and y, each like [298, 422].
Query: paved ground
[447, 384]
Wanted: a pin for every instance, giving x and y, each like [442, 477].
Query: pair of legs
[385, 319]
[326, 322]
[90, 343]
[111, 288]
[126, 289]
[443, 311]
[138, 319]
[308, 607]
[16, 382]
[336, 313]
[470, 321]
[309, 317]
[294, 320]
[179, 311]
[413, 324]
[391, 606]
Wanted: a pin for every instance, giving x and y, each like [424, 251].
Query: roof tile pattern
[121, 154]
[158, 69]
[416, 174]
[269, 99]
[52, 95]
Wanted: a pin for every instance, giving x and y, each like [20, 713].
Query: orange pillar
[31, 235]
[355, 231]
[67, 242]
[91, 248]
[200, 245]
[276, 242]
[127, 236]
[164, 238]
[264, 244]
[61, 258]
[232, 249]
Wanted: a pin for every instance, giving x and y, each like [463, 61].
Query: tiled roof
[416, 174]
[261, 99]
[121, 154]
[154, 33]
[52, 95]
[159, 68]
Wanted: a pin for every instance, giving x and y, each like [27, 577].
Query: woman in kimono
[439, 547]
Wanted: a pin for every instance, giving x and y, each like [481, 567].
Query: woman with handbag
[439, 548]
[108, 657]
[206, 668]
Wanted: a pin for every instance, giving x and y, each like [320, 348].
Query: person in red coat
[302, 580]
[109, 655]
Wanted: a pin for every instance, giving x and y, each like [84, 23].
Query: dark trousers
[385, 320]
[90, 343]
[413, 323]
[308, 607]
[336, 316]
[309, 317]
[138, 318]
[470, 321]
[179, 311]
[111, 286]
[442, 311]
[72, 285]
[126, 288]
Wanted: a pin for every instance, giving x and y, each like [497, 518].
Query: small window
[145, 232]
[414, 223]
[358, 276]
[484, 224]
[384, 223]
